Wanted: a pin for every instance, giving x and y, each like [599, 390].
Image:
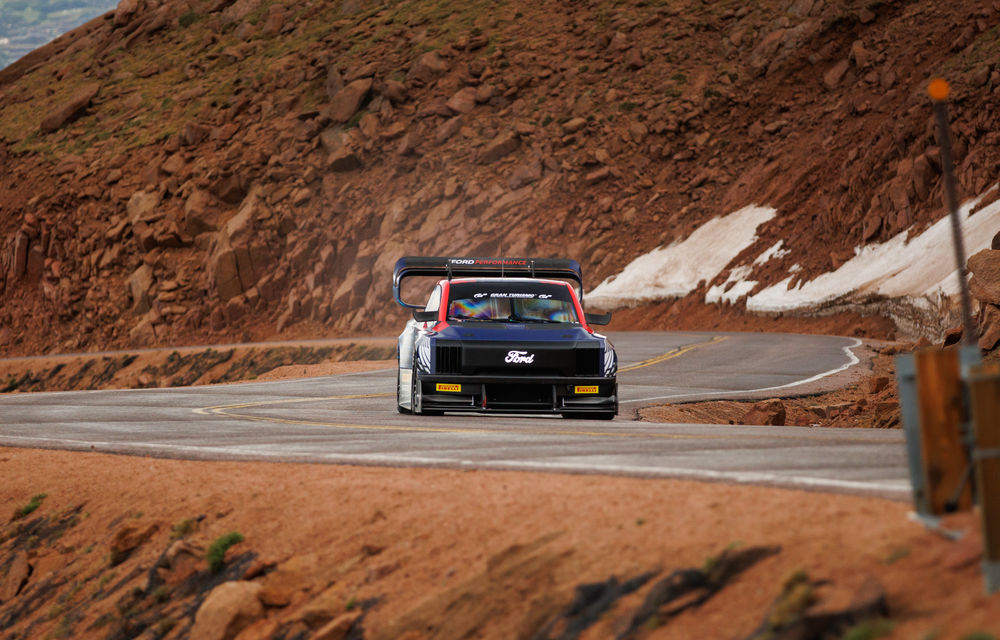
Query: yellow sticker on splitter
[587, 389]
[453, 388]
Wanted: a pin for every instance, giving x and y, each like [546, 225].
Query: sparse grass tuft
[189, 18]
[183, 529]
[897, 554]
[165, 626]
[160, 594]
[869, 630]
[33, 504]
[216, 554]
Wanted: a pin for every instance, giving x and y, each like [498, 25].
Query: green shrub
[188, 18]
[869, 630]
[36, 501]
[216, 554]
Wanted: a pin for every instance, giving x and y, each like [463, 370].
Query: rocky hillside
[194, 170]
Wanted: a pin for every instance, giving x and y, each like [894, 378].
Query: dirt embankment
[197, 171]
[187, 366]
[118, 547]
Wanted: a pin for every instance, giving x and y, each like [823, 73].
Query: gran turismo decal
[519, 357]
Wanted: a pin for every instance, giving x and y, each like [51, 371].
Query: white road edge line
[848, 350]
[894, 487]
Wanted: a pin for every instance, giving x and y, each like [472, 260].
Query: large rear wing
[444, 267]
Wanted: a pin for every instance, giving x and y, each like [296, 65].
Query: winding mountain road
[351, 419]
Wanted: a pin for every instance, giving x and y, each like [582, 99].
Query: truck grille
[588, 362]
[449, 358]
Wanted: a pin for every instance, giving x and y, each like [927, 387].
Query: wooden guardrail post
[984, 390]
[942, 412]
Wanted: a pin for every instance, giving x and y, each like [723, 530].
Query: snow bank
[917, 272]
[922, 269]
[676, 270]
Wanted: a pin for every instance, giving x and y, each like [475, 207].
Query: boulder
[125, 11]
[877, 384]
[71, 109]
[767, 412]
[395, 91]
[194, 133]
[139, 284]
[985, 282]
[224, 273]
[200, 214]
[989, 327]
[427, 68]
[17, 576]
[141, 206]
[230, 188]
[448, 129]
[324, 608]
[485, 92]
[862, 57]
[349, 100]
[633, 58]
[835, 74]
[922, 176]
[128, 539]
[344, 160]
[279, 587]
[334, 81]
[338, 628]
[21, 244]
[597, 175]
[179, 562]
[463, 101]
[502, 145]
[228, 609]
[573, 125]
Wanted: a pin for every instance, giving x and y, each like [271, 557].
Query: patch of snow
[921, 269]
[735, 287]
[774, 251]
[675, 271]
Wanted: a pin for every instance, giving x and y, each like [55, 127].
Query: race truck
[503, 335]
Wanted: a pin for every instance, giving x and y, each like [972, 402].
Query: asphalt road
[351, 419]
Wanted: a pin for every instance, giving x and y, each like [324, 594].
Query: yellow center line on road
[679, 351]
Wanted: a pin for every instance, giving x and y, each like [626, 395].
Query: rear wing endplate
[445, 267]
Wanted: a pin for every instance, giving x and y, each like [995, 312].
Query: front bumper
[522, 394]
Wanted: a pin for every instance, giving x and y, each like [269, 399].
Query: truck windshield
[530, 302]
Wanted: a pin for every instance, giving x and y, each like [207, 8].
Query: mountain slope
[188, 170]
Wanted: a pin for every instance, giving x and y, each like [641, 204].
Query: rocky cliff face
[985, 289]
[192, 170]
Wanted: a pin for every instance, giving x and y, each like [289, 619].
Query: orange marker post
[939, 90]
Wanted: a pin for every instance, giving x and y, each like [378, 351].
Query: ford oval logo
[519, 357]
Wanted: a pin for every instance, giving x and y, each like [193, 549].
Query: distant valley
[26, 25]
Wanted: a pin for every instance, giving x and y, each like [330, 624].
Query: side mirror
[424, 316]
[598, 318]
